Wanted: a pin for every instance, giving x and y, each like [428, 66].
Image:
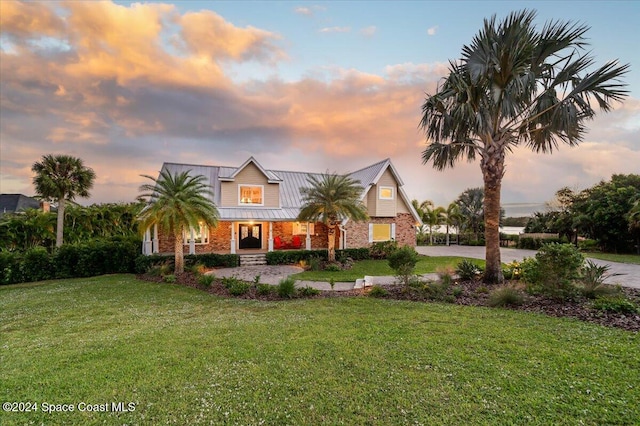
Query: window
[300, 228]
[382, 232]
[386, 192]
[251, 195]
[200, 235]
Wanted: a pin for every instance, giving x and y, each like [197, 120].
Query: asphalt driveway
[630, 274]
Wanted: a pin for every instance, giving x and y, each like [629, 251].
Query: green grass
[612, 257]
[185, 357]
[361, 268]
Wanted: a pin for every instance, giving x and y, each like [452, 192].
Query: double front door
[250, 236]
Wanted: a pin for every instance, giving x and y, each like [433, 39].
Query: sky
[307, 86]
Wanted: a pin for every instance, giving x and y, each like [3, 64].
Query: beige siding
[371, 200]
[386, 208]
[401, 206]
[250, 175]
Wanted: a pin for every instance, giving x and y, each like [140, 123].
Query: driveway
[630, 274]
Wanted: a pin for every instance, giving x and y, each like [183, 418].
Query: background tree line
[607, 213]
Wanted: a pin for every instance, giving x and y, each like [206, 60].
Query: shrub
[292, 257]
[588, 245]
[36, 265]
[308, 291]
[383, 249]
[467, 270]
[264, 289]
[446, 274]
[536, 243]
[617, 304]
[505, 296]
[229, 282]
[353, 253]
[239, 288]
[513, 271]
[332, 267]
[198, 268]
[286, 288]
[436, 291]
[456, 291]
[10, 272]
[557, 267]
[592, 277]
[206, 280]
[315, 264]
[169, 279]
[377, 291]
[403, 261]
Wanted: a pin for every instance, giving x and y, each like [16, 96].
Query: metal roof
[289, 183]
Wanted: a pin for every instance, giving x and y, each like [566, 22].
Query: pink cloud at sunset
[127, 87]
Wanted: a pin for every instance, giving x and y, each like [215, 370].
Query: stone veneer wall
[358, 232]
[219, 241]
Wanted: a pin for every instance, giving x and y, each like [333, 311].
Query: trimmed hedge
[289, 257]
[536, 243]
[354, 253]
[144, 263]
[98, 257]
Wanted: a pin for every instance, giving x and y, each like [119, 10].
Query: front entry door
[250, 236]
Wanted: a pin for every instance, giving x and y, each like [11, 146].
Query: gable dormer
[249, 185]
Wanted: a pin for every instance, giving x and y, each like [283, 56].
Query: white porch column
[146, 242]
[270, 240]
[155, 248]
[192, 242]
[233, 238]
[307, 244]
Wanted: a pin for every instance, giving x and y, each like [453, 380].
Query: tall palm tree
[515, 85]
[176, 202]
[330, 199]
[433, 216]
[62, 178]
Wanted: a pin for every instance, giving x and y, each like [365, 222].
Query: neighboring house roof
[10, 203]
[289, 182]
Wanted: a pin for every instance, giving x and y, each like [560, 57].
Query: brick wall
[219, 241]
[358, 232]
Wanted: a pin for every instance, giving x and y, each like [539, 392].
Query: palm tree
[330, 199]
[471, 208]
[176, 202]
[61, 178]
[452, 217]
[433, 216]
[515, 85]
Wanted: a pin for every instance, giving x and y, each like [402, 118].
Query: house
[14, 203]
[258, 210]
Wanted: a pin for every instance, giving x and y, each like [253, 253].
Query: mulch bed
[471, 293]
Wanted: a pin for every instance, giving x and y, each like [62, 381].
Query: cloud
[138, 85]
[369, 31]
[335, 30]
[432, 31]
[303, 11]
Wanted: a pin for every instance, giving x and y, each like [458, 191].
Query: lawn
[182, 356]
[361, 268]
[612, 257]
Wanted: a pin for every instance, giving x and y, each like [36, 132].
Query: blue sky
[299, 85]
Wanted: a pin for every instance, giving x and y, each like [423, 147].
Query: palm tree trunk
[178, 250]
[492, 172]
[60, 224]
[332, 242]
[447, 235]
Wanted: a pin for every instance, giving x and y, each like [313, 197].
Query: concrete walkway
[273, 274]
[630, 273]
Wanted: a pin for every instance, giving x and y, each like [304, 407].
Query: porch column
[154, 245]
[307, 244]
[270, 240]
[233, 238]
[146, 242]
[192, 242]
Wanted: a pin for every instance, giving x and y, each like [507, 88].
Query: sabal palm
[471, 207]
[330, 199]
[62, 178]
[176, 202]
[515, 85]
[452, 217]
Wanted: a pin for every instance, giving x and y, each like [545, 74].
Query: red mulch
[473, 293]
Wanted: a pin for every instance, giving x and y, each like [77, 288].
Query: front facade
[258, 210]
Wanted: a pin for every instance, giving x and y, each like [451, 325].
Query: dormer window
[386, 193]
[251, 195]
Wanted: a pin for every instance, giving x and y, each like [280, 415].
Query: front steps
[253, 259]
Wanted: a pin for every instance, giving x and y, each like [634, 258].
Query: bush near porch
[289, 257]
[210, 260]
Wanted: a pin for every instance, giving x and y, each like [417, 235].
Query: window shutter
[393, 231]
[371, 232]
